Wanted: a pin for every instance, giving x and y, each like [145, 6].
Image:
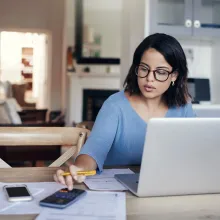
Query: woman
[156, 86]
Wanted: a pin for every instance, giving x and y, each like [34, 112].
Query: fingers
[59, 178]
[55, 178]
[69, 182]
[79, 179]
[73, 170]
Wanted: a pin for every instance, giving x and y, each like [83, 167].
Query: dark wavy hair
[173, 53]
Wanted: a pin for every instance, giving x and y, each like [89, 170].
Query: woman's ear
[174, 76]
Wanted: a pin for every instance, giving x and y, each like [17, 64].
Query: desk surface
[179, 207]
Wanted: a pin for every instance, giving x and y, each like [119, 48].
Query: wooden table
[179, 207]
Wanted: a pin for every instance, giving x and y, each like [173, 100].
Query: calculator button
[60, 201]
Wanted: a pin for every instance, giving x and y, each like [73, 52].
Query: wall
[11, 55]
[199, 56]
[44, 16]
[215, 79]
[70, 39]
[70, 22]
[132, 32]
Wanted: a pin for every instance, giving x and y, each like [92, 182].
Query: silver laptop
[207, 111]
[181, 156]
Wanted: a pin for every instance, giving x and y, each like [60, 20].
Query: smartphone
[17, 193]
[62, 198]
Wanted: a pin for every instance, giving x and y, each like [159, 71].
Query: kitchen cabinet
[199, 18]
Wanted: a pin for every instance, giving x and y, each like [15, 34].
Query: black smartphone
[62, 198]
[17, 193]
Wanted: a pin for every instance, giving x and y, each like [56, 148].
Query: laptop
[181, 156]
[207, 111]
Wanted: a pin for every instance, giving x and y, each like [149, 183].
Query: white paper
[106, 180]
[5, 204]
[93, 206]
[39, 190]
[3, 164]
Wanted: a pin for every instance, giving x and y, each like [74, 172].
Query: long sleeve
[103, 134]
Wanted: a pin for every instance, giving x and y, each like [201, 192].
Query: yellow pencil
[83, 173]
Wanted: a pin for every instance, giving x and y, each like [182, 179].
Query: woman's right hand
[69, 180]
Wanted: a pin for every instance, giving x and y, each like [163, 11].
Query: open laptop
[181, 156]
[207, 111]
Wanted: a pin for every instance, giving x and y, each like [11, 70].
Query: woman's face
[149, 86]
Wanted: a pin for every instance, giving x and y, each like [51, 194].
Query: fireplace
[90, 84]
[93, 100]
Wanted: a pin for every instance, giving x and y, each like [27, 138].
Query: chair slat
[44, 136]
[26, 136]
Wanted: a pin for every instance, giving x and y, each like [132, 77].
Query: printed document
[106, 180]
[93, 206]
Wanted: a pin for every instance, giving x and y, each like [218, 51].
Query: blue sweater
[118, 135]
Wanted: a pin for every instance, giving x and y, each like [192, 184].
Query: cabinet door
[171, 16]
[206, 18]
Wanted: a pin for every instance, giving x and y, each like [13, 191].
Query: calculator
[62, 198]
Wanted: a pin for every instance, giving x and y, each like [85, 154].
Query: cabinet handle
[197, 24]
[188, 23]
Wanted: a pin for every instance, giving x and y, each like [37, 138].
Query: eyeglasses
[160, 75]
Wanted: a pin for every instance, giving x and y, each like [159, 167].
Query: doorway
[24, 61]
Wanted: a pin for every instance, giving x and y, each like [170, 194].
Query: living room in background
[24, 63]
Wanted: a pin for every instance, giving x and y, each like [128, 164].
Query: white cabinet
[185, 17]
[206, 18]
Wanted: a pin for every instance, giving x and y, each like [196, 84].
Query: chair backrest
[41, 136]
[85, 124]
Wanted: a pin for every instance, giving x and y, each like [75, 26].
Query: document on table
[93, 206]
[106, 180]
[38, 190]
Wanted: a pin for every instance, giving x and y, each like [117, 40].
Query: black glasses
[161, 75]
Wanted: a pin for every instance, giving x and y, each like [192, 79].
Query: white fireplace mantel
[79, 82]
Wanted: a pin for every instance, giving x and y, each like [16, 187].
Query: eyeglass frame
[136, 73]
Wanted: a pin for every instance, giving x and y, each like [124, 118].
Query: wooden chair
[72, 137]
[85, 124]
